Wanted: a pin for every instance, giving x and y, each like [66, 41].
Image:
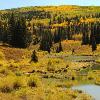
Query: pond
[93, 90]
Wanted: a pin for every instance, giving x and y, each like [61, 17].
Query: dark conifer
[94, 45]
[11, 29]
[59, 48]
[34, 57]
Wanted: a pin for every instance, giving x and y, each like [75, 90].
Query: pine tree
[59, 48]
[34, 57]
[58, 35]
[11, 29]
[85, 34]
[5, 31]
[92, 33]
[59, 19]
[1, 31]
[94, 45]
[46, 41]
[22, 38]
[69, 35]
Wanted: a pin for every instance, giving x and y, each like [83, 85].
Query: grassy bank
[47, 78]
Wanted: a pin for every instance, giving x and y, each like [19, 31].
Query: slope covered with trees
[50, 24]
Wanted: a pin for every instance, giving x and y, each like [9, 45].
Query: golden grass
[24, 80]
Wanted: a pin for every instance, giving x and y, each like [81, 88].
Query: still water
[93, 90]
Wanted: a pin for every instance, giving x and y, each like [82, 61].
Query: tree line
[15, 32]
[18, 32]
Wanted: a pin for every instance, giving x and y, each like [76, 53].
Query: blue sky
[6, 4]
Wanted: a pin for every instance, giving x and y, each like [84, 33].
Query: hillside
[46, 51]
[62, 8]
[68, 10]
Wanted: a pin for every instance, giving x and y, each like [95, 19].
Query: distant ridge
[50, 6]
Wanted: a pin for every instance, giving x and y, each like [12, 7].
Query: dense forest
[47, 25]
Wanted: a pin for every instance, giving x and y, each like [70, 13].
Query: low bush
[6, 84]
[2, 56]
[97, 82]
[10, 83]
[33, 81]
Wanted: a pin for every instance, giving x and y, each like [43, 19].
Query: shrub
[2, 56]
[51, 68]
[5, 72]
[97, 82]
[19, 82]
[33, 81]
[6, 84]
[10, 83]
[18, 73]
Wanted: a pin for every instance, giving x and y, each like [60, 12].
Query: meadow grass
[48, 79]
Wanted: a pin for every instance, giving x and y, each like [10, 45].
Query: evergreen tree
[46, 41]
[58, 35]
[92, 33]
[59, 48]
[85, 34]
[1, 31]
[34, 57]
[11, 29]
[69, 34]
[97, 32]
[94, 45]
[56, 39]
[59, 19]
[22, 38]
[5, 31]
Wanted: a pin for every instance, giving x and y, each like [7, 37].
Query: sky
[7, 4]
